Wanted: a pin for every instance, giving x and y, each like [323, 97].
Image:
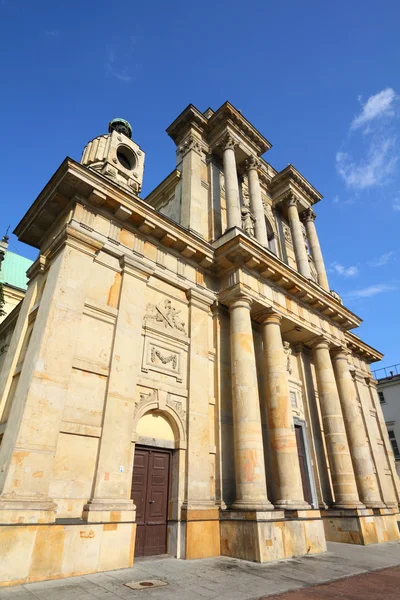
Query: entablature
[290, 181]
[73, 182]
[235, 249]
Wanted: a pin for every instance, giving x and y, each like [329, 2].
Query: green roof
[13, 270]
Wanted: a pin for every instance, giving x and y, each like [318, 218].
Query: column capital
[291, 200]
[269, 316]
[340, 353]
[228, 142]
[252, 163]
[238, 300]
[320, 342]
[308, 215]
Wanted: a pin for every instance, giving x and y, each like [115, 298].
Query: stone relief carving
[313, 270]
[248, 221]
[288, 351]
[145, 399]
[222, 182]
[165, 313]
[164, 359]
[176, 405]
[287, 233]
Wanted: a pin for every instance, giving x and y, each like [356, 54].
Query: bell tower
[116, 156]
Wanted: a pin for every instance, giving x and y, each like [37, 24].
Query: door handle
[151, 501]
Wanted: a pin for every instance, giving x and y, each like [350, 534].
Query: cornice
[227, 112]
[239, 250]
[210, 128]
[72, 180]
[361, 349]
[189, 117]
[281, 182]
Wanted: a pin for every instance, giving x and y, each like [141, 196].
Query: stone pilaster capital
[191, 143]
[269, 316]
[135, 268]
[228, 142]
[252, 163]
[38, 267]
[199, 300]
[308, 215]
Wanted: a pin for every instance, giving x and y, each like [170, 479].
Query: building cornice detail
[72, 179]
[281, 183]
[361, 349]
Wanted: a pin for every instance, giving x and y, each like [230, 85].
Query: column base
[348, 506]
[291, 505]
[109, 511]
[25, 510]
[376, 504]
[262, 536]
[202, 538]
[361, 526]
[252, 506]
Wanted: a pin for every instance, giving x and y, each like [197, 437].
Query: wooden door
[150, 486]
[301, 451]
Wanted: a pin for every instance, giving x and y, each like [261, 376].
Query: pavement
[331, 575]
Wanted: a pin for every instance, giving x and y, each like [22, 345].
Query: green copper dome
[121, 126]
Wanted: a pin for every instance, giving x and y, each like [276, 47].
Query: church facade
[179, 378]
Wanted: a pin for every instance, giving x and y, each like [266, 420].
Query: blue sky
[320, 80]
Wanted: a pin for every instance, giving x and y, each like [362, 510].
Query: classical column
[297, 237]
[287, 478]
[256, 204]
[357, 437]
[315, 249]
[343, 480]
[233, 215]
[251, 489]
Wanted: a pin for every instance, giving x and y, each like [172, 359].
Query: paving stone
[224, 578]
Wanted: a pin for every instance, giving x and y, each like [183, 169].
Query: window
[393, 441]
[381, 398]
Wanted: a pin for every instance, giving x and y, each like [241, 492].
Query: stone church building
[179, 378]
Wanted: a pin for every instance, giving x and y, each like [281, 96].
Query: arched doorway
[158, 452]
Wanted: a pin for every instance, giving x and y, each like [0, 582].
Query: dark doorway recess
[301, 451]
[150, 491]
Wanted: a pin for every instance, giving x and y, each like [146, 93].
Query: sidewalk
[215, 578]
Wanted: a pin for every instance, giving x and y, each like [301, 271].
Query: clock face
[126, 157]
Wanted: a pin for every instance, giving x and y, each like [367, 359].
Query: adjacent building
[179, 377]
[13, 268]
[389, 396]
